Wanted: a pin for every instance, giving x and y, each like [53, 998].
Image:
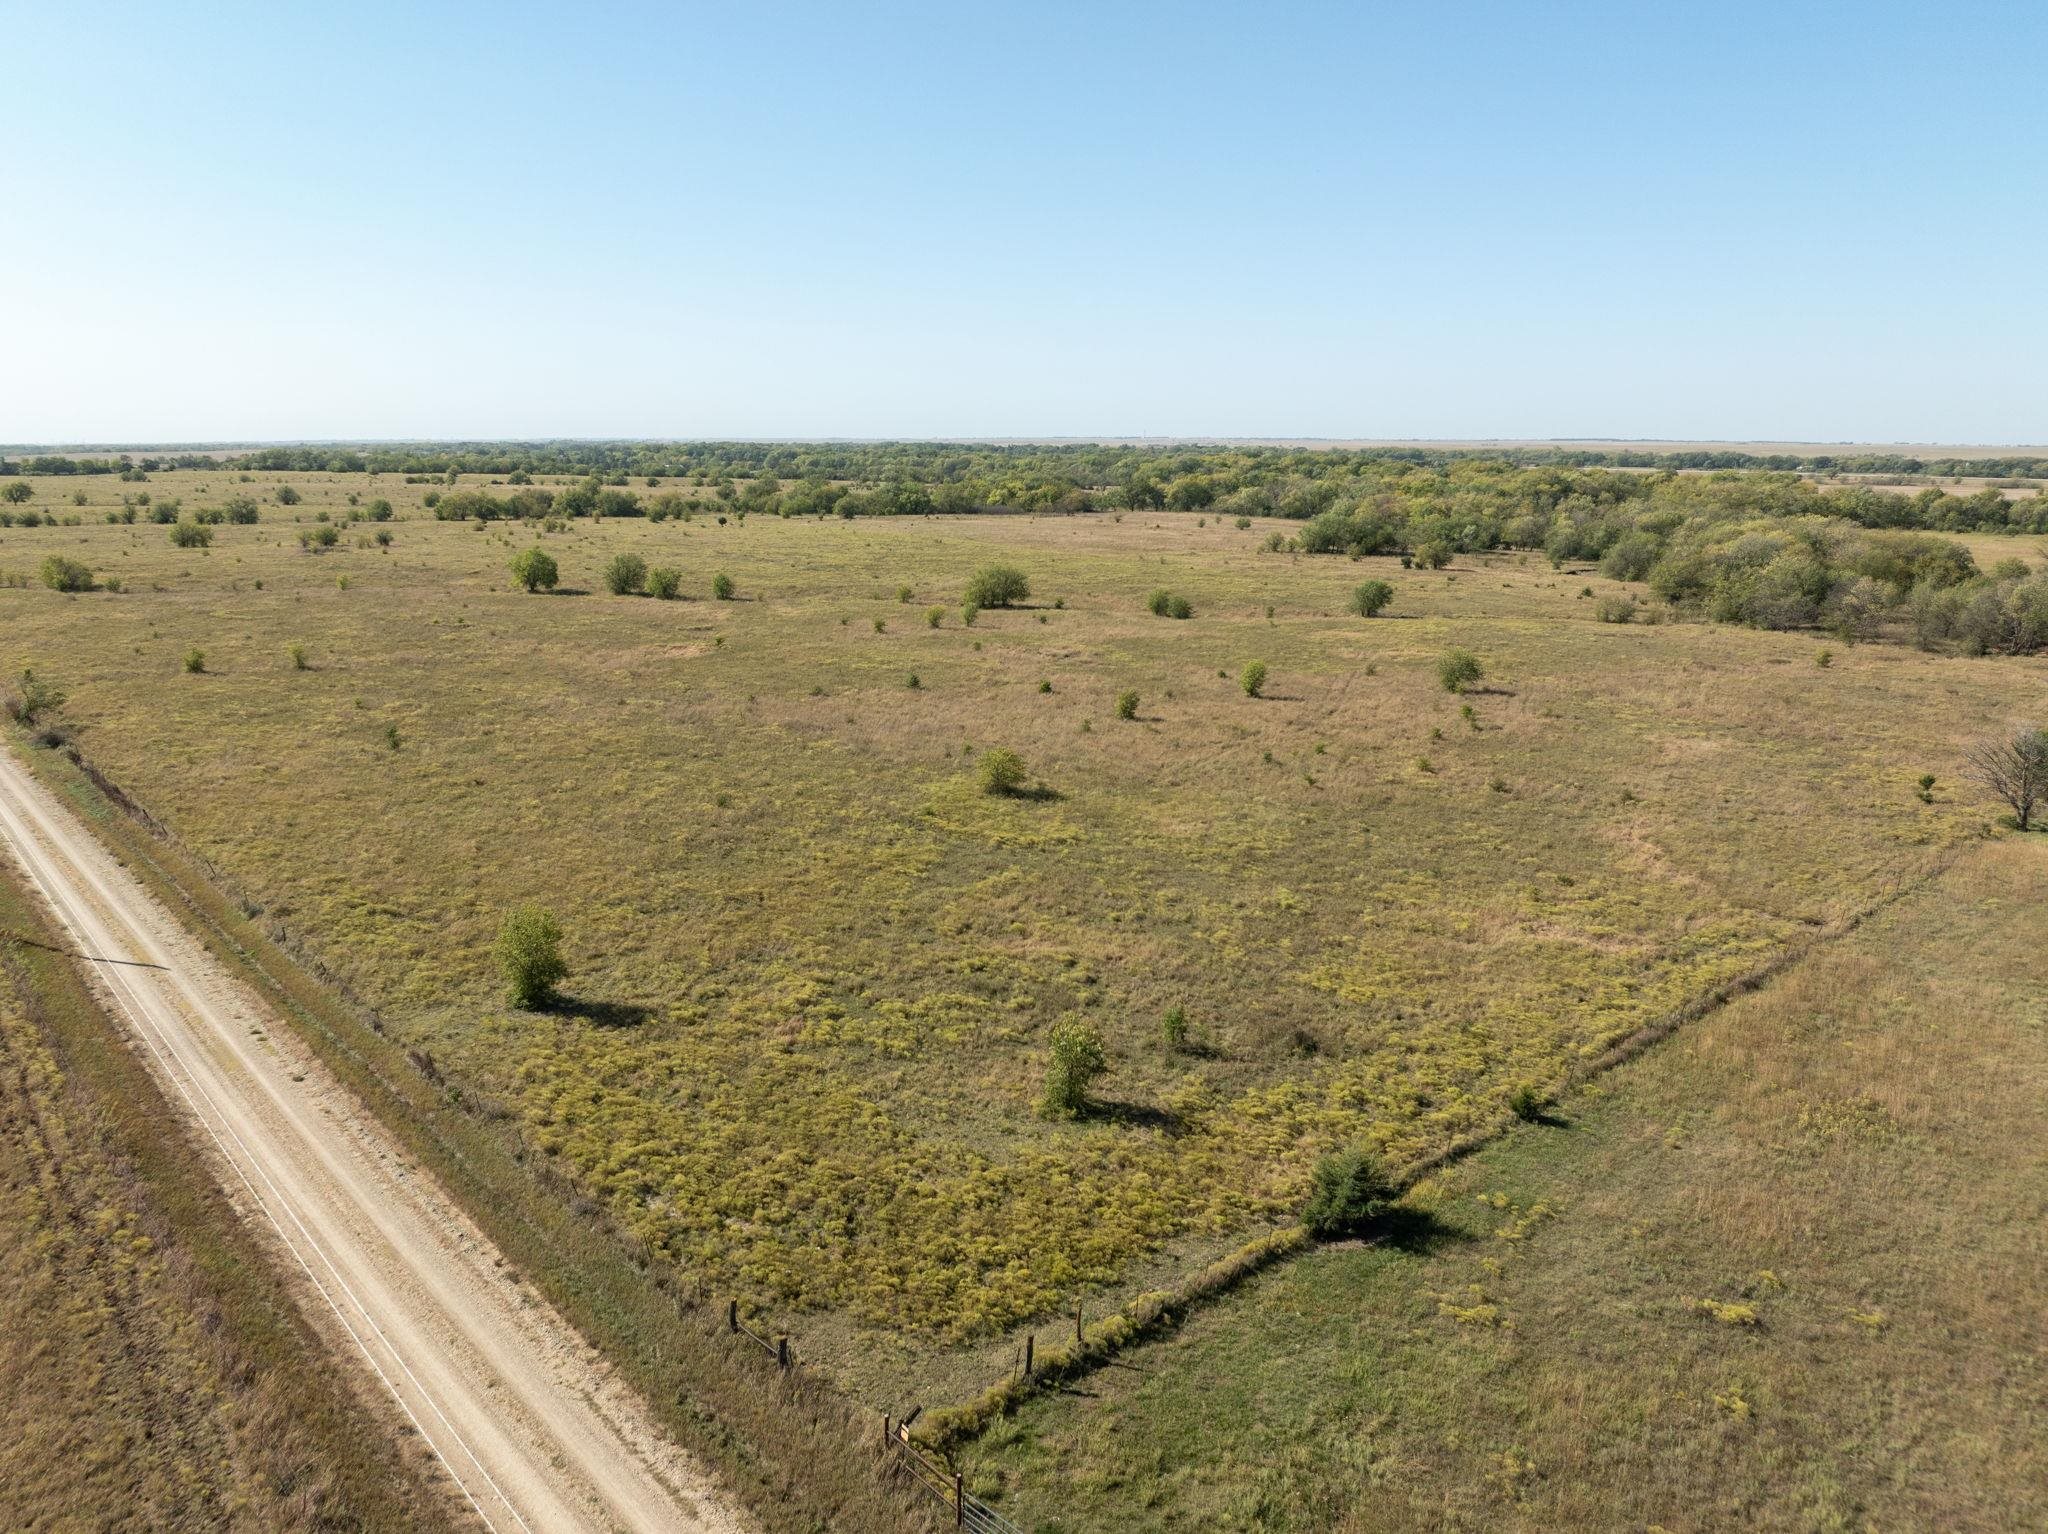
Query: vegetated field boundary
[794, 1450]
[300, 1425]
[1156, 1312]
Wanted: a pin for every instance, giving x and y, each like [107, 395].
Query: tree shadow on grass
[1418, 1232]
[1131, 1115]
[1036, 793]
[604, 1014]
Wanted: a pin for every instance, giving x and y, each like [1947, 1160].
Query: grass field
[1781, 1273]
[157, 1375]
[816, 968]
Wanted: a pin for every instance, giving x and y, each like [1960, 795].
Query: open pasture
[815, 968]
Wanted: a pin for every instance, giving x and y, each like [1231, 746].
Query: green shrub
[287, 496]
[241, 510]
[1457, 670]
[626, 574]
[998, 586]
[34, 696]
[1615, 609]
[1526, 1103]
[934, 616]
[1127, 705]
[664, 582]
[1253, 679]
[903, 594]
[722, 587]
[1180, 607]
[535, 569]
[1159, 602]
[969, 611]
[297, 655]
[190, 535]
[1370, 599]
[1002, 771]
[1347, 1193]
[195, 660]
[1077, 1059]
[61, 574]
[1173, 1029]
[530, 955]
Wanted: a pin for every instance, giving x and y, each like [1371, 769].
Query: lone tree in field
[1077, 1059]
[530, 954]
[2014, 767]
[1253, 679]
[998, 586]
[1348, 1192]
[1002, 772]
[1458, 670]
[16, 492]
[535, 570]
[1368, 600]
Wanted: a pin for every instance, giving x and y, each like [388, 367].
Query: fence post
[1080, 1336]
[959, 1502]
[782, 1351]
[1029, 1339]
[885, 1429]
[732, 1315]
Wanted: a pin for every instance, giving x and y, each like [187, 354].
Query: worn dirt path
[518, 1408]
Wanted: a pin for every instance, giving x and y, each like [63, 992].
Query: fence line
[969, 1511]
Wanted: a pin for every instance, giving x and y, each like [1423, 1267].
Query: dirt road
[519, 1409]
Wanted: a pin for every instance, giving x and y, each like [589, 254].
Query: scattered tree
[1370, 599]
[664, 582]
[191, 535]
[1173, 1029]
[17, 491]
[626, 574]
[1253, 679]
[998, 586]
[33, 697]
[1002, 771]
[1347, 1193]
[2013, 766]
[535, 569]
[1457, 670]
[722, 587]
[530, 955]
[1077, 1059]
[1127, 705]
[61, 574]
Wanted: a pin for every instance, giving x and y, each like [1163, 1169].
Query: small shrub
[998, 586]
[1527, 1104]
[1457, 670]
[881, 626]
[1825, 659]
[530, 955]
[903, 594]
[195, 660]
[1127, 705]
[1002, 772]
[1347, 1193]
[1173, 1029]
[1253, 679]
[969, 611]
[33, 697]
[934, 616]
[191, 535]
[61, 574]
[287, 496]
[1180, 607]
[535, 569]
[297, 655]
[1615, 609]
[912, 682]
[1077, 1059]
[626, 574]
[1370, 599]
[722, 587]
[664, 582]
[1159, 602]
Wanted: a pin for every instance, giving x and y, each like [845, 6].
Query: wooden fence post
[885, 1428]
[1028, 1340]
[1079, 1335]
[732, 1315]
[959, 1502]
[782, 1351]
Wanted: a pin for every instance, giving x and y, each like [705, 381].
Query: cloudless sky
[1650, 219]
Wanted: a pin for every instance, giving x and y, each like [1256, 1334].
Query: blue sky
[1742, 220]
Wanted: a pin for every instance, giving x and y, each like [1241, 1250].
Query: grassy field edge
[295, 1419]
[796, 1452]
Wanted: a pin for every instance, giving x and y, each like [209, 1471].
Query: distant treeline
[1082, 466]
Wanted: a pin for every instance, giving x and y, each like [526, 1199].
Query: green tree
[287, 496]
[61, 574]
[535, 569]
[1002, 771]
[191, 535]
[1077, 1059]
[627, 573]
[722, 587]
[17, 491]
[1347, 1192]
[530, 955]
[34, 696]
[1457, 670]
[664, 582]
[998, 586]
[1127, 705]
[1370, 599]
[1253, 679]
